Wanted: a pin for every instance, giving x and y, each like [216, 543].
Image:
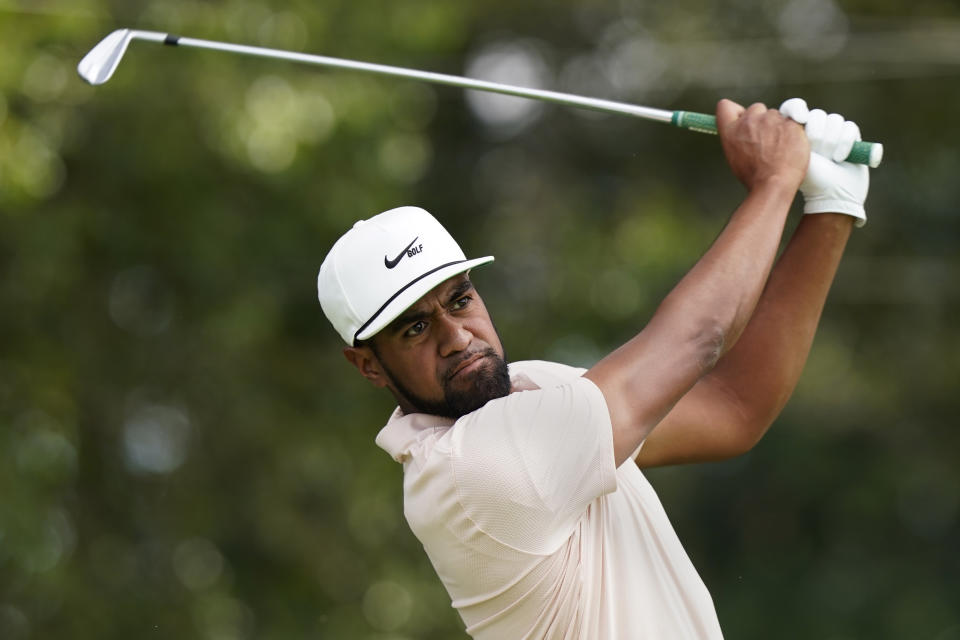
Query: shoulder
[525, 466]
[544, 373]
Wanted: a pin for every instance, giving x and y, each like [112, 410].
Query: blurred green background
[184, 452]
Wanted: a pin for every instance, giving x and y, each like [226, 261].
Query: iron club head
[101, 61]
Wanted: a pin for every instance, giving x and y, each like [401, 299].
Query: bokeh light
[198, 563]
[513, 62]
[813, 28]
[387, 605]
[141, 302]
[156, 439]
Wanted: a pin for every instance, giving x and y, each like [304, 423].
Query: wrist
[776, 185]
[830, 222]
[837, 206]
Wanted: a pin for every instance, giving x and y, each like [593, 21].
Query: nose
[454, 336]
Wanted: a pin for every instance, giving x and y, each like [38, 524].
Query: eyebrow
[414, 315]
[459, 290]
[407, 318]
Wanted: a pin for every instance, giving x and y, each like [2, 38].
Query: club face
[100, 63]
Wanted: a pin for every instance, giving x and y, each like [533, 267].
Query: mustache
[484, 353]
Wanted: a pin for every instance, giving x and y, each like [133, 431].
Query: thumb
[796, 109]
[727, 113]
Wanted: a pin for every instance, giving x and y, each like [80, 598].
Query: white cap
[382, 266]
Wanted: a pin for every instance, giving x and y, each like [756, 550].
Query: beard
[489, 381]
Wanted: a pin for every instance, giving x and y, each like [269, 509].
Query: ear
[367, 364]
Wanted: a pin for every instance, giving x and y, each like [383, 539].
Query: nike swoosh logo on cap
[390, 264]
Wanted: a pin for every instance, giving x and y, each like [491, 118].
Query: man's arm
[732, 406]
[705, 313]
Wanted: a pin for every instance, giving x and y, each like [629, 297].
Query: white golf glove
[831, 185]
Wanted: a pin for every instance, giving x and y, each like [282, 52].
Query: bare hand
[762, 145]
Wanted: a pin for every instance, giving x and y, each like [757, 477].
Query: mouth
[467, 365]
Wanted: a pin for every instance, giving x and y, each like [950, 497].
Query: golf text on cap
[409, 251]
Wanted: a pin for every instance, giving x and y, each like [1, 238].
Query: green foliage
[183, 451]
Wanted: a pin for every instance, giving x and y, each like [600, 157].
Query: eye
[461, 303]
[415, 329]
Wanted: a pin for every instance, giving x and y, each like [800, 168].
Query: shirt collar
[404, 431]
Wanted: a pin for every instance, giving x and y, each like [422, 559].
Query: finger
[796, 109]
[831, 135]
[727, 112]
[815, 127]
[849, 134]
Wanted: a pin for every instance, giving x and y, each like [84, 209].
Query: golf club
[99, 64]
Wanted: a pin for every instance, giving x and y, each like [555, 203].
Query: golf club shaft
[434, 78]
[862, 152]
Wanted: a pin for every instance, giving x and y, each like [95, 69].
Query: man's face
[441, 356]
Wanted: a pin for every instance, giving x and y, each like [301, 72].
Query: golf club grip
[868, 153]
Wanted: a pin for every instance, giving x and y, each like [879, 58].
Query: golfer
[523, 481]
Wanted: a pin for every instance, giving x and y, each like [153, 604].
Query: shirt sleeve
[527, 466]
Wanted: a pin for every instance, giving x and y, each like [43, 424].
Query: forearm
[732, 406]
[762, 369]
[724, 287]
[698, 321]
[705, 313]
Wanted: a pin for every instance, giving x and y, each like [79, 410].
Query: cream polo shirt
[533, 530]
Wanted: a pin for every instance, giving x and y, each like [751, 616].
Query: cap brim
[413, 291]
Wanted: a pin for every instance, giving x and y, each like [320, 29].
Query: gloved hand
[831, 185]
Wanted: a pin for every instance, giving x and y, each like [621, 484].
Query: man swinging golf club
[523, 482]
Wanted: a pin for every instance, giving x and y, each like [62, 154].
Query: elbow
[710, 341]
[701, 332]
[749, 425]
[734, 440]
[747, 436]
[740, 422]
